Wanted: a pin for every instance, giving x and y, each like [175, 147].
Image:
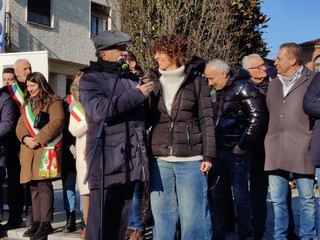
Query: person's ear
[132, 65]
[293, 61]
[225, 74]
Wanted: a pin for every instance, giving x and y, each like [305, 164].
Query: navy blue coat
[311, 106]
[8, 121]
[122, 146]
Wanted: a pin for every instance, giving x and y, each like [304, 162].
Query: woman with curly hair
[39, 130]
[182, 142]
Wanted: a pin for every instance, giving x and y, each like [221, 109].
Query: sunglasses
[259, 67]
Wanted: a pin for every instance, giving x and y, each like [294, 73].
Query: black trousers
[2, 177]
[42, 200]
[116, 208]
[17, 194]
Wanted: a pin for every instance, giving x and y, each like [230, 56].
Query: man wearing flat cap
[114, 99]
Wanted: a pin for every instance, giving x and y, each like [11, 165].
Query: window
[99, 18]
[39, 11]
[316, 64]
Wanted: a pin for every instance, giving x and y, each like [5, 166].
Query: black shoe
[32, 230]
[293, 236]
[43, 231]
[29, 217]
[82, 224]
[12, 224]
[258, 236]
[71, 222]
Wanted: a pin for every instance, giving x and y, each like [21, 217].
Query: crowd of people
[190, 148]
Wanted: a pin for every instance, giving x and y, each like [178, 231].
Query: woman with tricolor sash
[39, 130]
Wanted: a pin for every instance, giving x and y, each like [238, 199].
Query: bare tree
[206, 24]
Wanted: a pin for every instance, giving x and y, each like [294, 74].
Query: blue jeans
[278, 182]
[69, 192]
[232, 173]
[135, 221]
[179, 196]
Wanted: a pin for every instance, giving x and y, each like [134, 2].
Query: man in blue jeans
[240, 116]
[287, 143]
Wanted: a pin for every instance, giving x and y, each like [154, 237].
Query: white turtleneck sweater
[170, 83]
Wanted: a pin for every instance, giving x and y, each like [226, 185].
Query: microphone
[122, 63]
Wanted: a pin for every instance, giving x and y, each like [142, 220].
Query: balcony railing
[8, 30]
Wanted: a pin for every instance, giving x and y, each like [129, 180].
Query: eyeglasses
[259, 67]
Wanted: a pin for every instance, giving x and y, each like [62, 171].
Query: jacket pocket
[118, 158]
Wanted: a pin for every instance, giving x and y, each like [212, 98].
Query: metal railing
[8, 30]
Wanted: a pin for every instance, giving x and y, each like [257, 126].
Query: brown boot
[137, 235]
[128, 233]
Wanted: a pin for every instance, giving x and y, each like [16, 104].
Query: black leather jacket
[240, 111]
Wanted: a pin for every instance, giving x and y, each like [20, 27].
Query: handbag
[41, 120]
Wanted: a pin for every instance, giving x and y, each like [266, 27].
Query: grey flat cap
[107, 39]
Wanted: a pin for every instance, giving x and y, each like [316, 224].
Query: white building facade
[63, 28]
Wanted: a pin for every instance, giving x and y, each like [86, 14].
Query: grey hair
[245, 60]
[219, 65]
[294, 50]
[19, 61]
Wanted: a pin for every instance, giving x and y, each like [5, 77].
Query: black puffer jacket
[241, 113]
[189, 130]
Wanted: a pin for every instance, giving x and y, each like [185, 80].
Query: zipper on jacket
[143, 173]
[170, 146]
[188, 137]
[141, 153]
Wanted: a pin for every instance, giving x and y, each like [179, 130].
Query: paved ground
[59, 220]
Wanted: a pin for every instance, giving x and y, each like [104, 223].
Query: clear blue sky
[290, 21]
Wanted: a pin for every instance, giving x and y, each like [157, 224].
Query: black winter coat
[311, 106]
[68, 160]
[122, 146]
[189, 130]
[8, 121]
[241, 112]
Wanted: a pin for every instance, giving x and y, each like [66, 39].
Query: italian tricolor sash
[48, 165]
[76, 110]
[16, 93]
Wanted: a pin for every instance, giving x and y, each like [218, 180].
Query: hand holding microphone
[146, 88]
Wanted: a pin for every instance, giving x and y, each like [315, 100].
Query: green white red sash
[76, 110]
[16, 93]
[48, 165]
